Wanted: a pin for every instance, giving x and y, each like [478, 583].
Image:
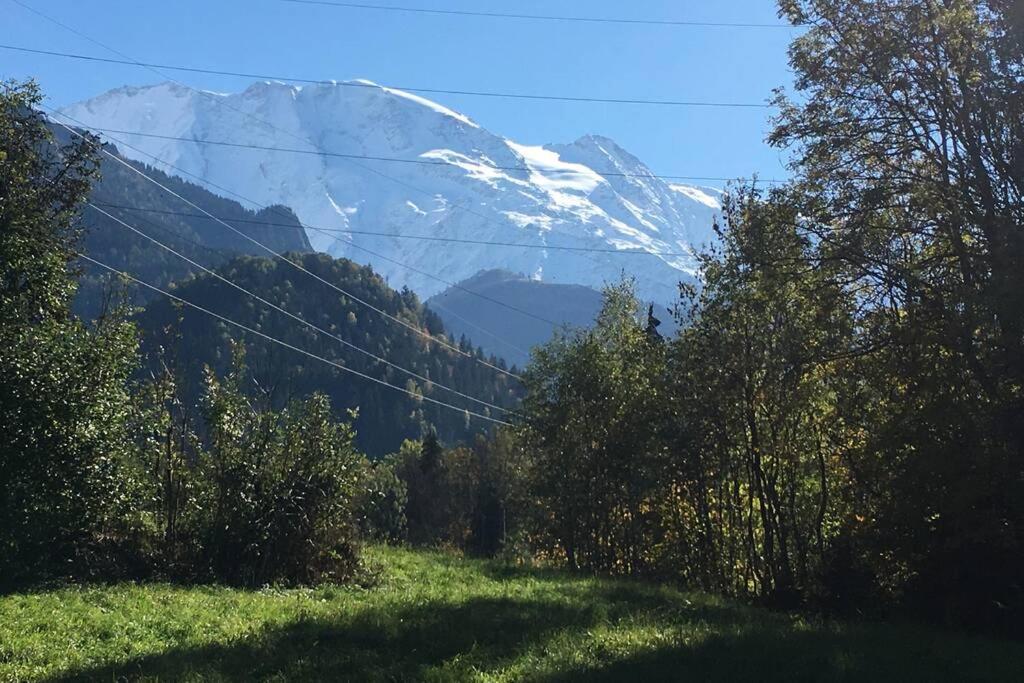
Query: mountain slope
[172, 222]
[467, 190]
[386, 416]
[510, 334]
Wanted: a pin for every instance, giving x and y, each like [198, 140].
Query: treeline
[190, 340]
[841, 420]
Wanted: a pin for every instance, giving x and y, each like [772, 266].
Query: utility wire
[541, 17]
[332, 232]
[301, 225]
[358, 84]
[400, 160]
[222, 253]
[398, 235]
[274, 340]
[300, 319]
[298, 266]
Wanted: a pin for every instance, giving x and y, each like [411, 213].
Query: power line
[542, 17]
[298, 266]
[322, 231]
[219, 102]
[301, 225]
[222, 253]
[358, 84]
[454, 285]
[397, 235]
[295, 317]
[274, 340]
[400, 160]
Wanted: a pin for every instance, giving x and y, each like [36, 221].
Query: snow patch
[548, 171]
[698, 195]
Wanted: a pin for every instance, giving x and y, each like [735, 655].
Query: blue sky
[451, 52]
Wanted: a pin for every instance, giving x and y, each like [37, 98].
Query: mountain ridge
[559, 198]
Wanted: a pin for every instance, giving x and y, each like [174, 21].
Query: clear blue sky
[453, 52]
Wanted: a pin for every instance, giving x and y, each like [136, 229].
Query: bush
[277, 491]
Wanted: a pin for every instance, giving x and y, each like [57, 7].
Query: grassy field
[437, 617]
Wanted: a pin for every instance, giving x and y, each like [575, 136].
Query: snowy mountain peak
[402, 164]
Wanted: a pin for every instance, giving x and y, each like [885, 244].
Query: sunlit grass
[438, 617]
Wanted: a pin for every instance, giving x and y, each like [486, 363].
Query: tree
[909, 140]
[63, 385]
[756, 418]
[278, 488]
[591, 425]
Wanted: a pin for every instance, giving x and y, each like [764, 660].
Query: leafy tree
[591, 426]
[63, 399]
[909, 136]
[753, 378]
[383, 503]
[279, 489]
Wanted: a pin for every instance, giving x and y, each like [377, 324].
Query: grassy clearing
[437, 617]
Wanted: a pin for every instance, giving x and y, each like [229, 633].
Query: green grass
[437, 617]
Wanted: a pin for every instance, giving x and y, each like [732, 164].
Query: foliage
[592, 406]
[383, 504]
[471, 499]
[63, 399]
[386, 417]
[909, 142]
[759, 478]
[265, 497]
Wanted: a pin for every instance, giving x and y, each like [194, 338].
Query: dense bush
[261, 497]
[277, 490]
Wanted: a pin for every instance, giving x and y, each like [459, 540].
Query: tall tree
[63, 398]
[756, 416]
[592, 417]
[909, 141]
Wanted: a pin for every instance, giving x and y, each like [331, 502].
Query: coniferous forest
[836, 431]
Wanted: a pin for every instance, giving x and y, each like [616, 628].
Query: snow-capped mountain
[476, 185]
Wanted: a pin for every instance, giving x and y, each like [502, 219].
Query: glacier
[475, 184]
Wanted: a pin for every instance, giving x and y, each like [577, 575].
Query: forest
[837, 428]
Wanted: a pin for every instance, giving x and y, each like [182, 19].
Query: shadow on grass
[699, 641]
[400, 644]
[765, 652]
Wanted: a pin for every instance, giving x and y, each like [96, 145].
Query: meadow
[439, 617]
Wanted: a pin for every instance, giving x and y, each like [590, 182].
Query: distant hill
[386, 416]
[510, 334]
[157, 213]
